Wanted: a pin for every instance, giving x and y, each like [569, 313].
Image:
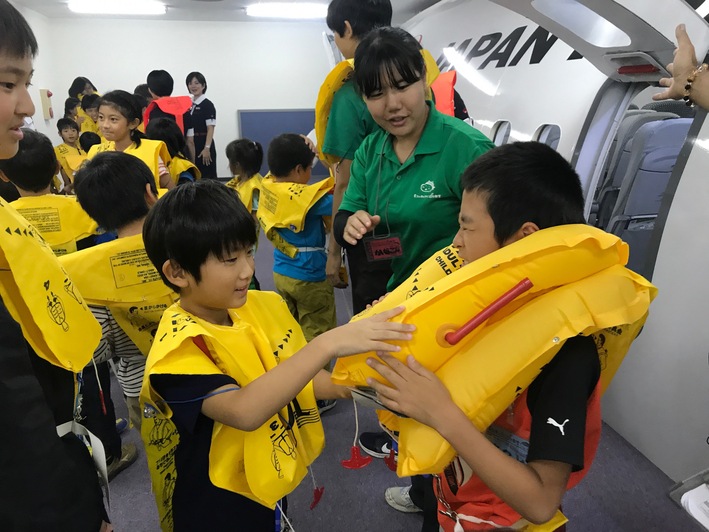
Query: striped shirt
[116, 343]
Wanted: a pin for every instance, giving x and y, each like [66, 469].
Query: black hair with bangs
[363, 15]
[525, 182]
[16, 37]
[111, 189]
[78, 85]
[66, 123]
[126, 104]
[34, 165]
[194, 221]
[387, 57]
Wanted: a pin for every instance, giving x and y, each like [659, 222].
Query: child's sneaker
[325, 404]
[121, 425]
[398, 498]
[376, 444]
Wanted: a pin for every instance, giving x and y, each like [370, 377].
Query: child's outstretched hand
[370, 334]
[415, 391]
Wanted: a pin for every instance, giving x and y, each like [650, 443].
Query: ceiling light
[117, 7]
[298, 10]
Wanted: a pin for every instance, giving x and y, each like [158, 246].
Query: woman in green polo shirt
[404, 192]
[405, 179]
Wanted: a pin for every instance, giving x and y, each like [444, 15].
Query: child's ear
[526, 229]
[348, 30]
[134, 124]
[4, 177]
[175, 274]
[150, 197]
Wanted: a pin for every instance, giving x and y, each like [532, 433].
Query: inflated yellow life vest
[246, 189]
[59, 219]
[178, 165]
[580, 286]
[120, 276]
[41, 297]
[151, 152]
[334, 81]
[284, 205]
[263, 465]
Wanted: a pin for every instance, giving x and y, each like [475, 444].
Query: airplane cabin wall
[248, 65]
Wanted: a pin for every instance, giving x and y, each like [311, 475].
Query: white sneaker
[398, 498]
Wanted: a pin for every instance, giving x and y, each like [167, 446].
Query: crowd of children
[226, 383]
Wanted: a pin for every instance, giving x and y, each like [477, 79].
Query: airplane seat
[618, 157]
[677, 107]
[652, 158]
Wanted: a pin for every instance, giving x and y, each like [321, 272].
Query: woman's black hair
[194, 221]
[69, 105]
[286, 152]
[16, 37]
[387, 57]
[200, 79]
[78, 86]
[169, 132]
[525, 182]
[247, 154]
[111, 188]
[126, 104]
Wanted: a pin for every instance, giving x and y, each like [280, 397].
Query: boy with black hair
[69, 153]
[88, 139]
[230, 371]
[294, 216]
[509, 193]
[59, 219]
[118, 282]
[89, 104]
[348, 123]
[164, 105]
[40, 468]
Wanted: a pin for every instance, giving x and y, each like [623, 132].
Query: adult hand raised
[685, 61]
[359, 224]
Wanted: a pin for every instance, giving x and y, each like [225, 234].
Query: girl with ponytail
[119, 116]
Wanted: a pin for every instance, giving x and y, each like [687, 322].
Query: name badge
[383, 248]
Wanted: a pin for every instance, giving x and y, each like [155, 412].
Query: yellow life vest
[120, 276]
[263, 465]
[580, 286]
[41, 297]
[59, 219]
[151, 152]
[89, 125]
[70, 158]
[334, 81]
[246, 189]
[284, 205]
[178, 165]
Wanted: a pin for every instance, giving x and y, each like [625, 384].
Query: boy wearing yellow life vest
[69, 152]
[515, 473]
[46, 335]
[60, 220]
[230, 422]
[295, 217]
[89, 104]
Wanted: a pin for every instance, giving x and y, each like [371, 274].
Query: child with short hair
[88, 139]
[229, 371]
[89, 104]
[69, 152]
[41, 468]
[163, 103]
[182, 170]
[118, 190]
[60, 219]
[119, 115]
[509, 193]
[294, 217]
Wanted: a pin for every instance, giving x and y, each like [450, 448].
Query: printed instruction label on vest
[45, 219]
[269, 200]
[132, 268]
[383, 248]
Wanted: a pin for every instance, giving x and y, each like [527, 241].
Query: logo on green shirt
[427, 188]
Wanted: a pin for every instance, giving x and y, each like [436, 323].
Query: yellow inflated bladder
[579, 286]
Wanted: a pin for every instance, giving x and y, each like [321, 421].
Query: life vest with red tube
[175, 106]
[444, 91]
[472, 506]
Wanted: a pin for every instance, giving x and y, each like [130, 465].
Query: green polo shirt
[420, 199]
[349, 123]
